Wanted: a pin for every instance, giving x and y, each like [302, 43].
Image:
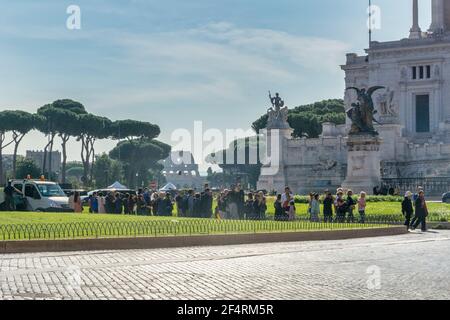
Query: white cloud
[221, 61]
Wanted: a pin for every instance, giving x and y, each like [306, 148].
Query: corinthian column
[437, 19]
[415, 32]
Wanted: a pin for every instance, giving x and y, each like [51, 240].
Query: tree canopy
[139, 157]
[307, 120]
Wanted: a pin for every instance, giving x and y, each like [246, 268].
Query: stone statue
[361, 113]
[278, 113]
[387, 105]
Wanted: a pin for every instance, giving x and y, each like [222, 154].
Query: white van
[39, 195]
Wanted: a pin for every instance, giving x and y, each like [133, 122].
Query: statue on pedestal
[361, 113]
[278, 113]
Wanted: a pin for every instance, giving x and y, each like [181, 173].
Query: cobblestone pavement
[413, 266]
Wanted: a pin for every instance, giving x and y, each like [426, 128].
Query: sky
[174, 62]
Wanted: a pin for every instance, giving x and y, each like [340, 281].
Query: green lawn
[38, 225]
[374, 209]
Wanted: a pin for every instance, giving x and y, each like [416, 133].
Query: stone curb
[28, 246]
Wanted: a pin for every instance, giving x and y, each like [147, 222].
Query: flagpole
[370, 22]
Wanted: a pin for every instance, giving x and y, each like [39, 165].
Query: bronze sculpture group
[362, 112]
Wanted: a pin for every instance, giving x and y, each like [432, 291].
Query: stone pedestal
[363, 163]
[273, 173]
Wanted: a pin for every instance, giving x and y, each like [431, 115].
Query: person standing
[93, 203]
[190, 203]
[415, 197]
[166, 206]
[315, 208]
[340, 206]
[9, 191]
[76, 202]
[179, 203]
[350, 205]
[421, 212]
[248, 207]
[240, 201]
[222, 205]
[280, 214]
[154, 204]
[262, 212]
[362, 207]
[207, 204]
[118, 204]
[197, 206]
[232, 201]
[407, 209]
[285, 198]
[328, 208]
[101, 203]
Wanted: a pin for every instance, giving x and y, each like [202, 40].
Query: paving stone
[413, 266]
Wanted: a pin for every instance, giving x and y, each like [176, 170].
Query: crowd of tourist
[234, 204]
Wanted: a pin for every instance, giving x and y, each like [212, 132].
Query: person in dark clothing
[407, 209]
[132, 200]
[280, 214]
[248, 207]
[240, 200]
[141, 206]
[125, 201]
[9, 191]
[421, 212]
[197, 206]
[179, 202]
[328, 207]
[109, 203]
[258, 207]
[341, 207]
[118, 204]
[207, 203]
[167, 206]
[350, 204]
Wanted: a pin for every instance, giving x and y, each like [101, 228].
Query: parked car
[446, 197]
[38, 195]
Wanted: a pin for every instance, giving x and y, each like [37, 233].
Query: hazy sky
[173, 62]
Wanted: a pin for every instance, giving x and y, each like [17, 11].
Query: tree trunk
[2, 182]
[17, 137]
[2, 146]
[84, 160]
[92, 154]
[64, 138]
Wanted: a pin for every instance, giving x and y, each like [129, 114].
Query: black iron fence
[432, 186]
[174, 227]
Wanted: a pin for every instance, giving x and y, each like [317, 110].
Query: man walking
[421, 212]
[407, 209]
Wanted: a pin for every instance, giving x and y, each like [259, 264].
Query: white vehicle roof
[33, 181]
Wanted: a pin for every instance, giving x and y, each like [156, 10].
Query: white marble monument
[413, 111]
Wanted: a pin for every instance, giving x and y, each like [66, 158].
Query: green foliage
[139, 156]
[27, 167]
[69, 105]
[241, 159]
[307, 120]
[126, 129]
[106, 171]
